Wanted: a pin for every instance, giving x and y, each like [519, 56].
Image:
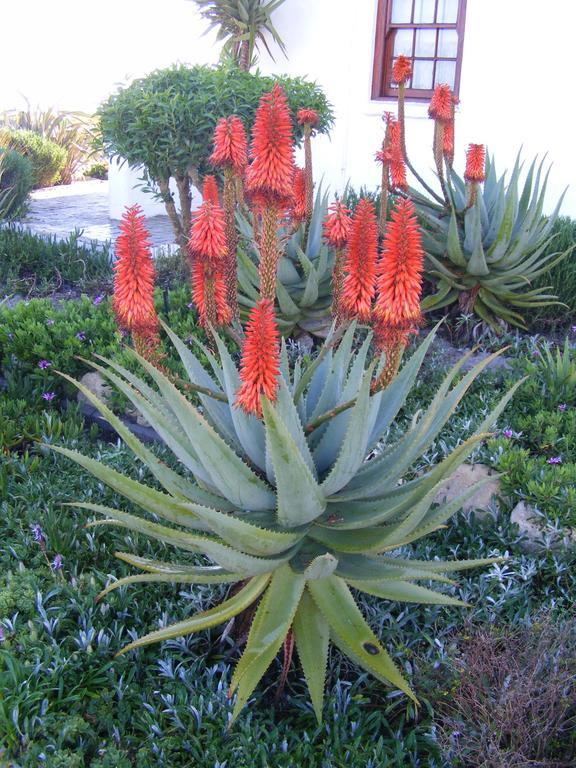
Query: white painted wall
[515, 88]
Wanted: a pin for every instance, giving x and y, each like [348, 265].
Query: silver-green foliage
[488, 256]
[304, 284]
[299, 516]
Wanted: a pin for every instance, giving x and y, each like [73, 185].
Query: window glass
[403, 42]
[448, 43]
[422, 75]
[447, 12]
[424, 11]
[425, 43]
[445, 73]
[401, 11]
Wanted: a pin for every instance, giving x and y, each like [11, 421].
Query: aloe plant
[288, 506]
[486, 256]
[304, 283]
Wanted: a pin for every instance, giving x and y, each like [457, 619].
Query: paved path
[84, 205]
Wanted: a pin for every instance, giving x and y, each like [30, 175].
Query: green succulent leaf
[312, 636]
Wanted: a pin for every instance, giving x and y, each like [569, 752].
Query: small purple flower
[37, 533]
[507, 433]
[50, 321]
[562, 407]
[554, 460]
[573, 329]
[191, 305]
[48, 396]
[536, 353]
[43, 364]
[81, 336]
[56, 564]
[1, 634]
[98, 300]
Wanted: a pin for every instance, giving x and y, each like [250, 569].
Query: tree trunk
[244, 60]
[183, 185]
[164, 185]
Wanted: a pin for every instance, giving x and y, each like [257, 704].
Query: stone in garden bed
[465, 476]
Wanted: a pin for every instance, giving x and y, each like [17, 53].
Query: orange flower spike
[475, 159]
[401, 70]
[210, 190]
[207, 238]
[259, 365]
[399, 283]
[448, 140]
[337, 225]
[308, 117]
[441, 104]
[298, 209]
[133, 300]
[230, 145]
[360, 263]
[396, 158]
[209, 295]
[269, 177]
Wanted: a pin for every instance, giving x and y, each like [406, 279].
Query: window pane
[448, 43]
[424, 11]
[447, 11]
[445, 73]
[403, 42]
[422, 75]
[401, 11]
[426, 43]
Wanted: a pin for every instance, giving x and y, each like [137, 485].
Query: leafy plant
[304, 280]
[242, 24]
[557, 371]
[46, 157]
[287, 506]
[15, 183]
[486, 256]
[165, 123]
[561, 278]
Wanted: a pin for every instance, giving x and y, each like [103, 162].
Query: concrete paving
[84, 206]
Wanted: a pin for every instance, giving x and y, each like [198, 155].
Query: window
[430, 33]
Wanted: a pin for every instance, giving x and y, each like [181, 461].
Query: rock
[97, 385]
[465, 476]
[535, 535]
[136, 416]
[449, 354]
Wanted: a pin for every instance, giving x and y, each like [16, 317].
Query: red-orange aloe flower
[269, 176]
[207, 238]
[337, 225]
[399, 282]
[401, 70]
[259, 365]
[448, 141]
[441, 104]
[298, 209]
[133, 300]
[475, 158]
[360, 263]
[308, 117]
[210, 190]
[230, 145]
[209, 294]
[396, 158]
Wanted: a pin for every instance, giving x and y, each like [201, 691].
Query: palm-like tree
[242, 24]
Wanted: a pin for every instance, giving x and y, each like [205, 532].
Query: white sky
[71, 54]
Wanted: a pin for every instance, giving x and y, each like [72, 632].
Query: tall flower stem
[269, 253]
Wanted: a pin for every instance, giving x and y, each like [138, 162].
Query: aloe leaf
[229, 558]
[312, 636]
[159, 566]
[288, 414]
[170, 480]
[453, 247]
[378, 568]
[206, 619]
[406, 592]
[233, 478]
[300, 499]
[271, 624]
[443, 566]
[249, 429]
[355, 443]
[352, 634]
[321, 567]
[177, 577]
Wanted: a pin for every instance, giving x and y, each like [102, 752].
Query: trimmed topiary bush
[46, 157]
[165, 122]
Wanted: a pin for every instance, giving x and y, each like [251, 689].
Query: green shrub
[165, 121]
[16, 181]
[97, 171]
[47, 157]
[38, 266]
[561, 279]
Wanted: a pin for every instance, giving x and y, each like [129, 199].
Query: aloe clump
[288, 506]
[486, 256]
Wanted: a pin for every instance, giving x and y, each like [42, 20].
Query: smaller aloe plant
[557, 371]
